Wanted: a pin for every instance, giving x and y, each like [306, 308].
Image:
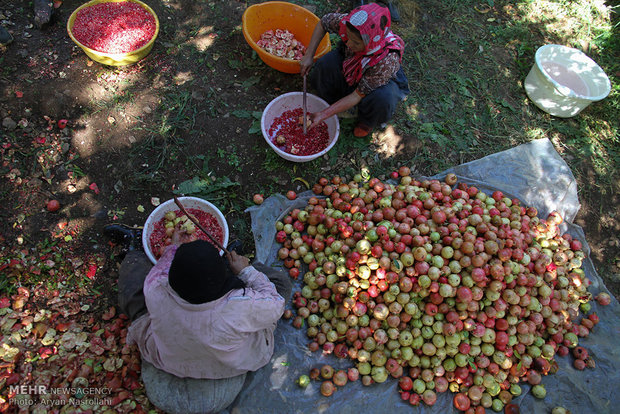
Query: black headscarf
[199, 274]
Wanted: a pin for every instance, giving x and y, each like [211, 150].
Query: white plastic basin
[294, 100]
[563, 81]
[188, 202]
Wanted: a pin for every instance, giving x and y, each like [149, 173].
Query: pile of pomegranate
[438, 285]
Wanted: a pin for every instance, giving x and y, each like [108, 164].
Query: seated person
[194, 318]
[364, 71]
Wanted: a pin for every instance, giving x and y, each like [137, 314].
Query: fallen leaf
[109, 314]
[112, 364]
[19, 302]
[40, 329]
[132, 384]
[9, 353]
[7, 324]
[82, 342]
[301, 180]
[96, 345]
[49, 338]
[115, 383]
[68, 340]
[110, 343]
[63, 327]
[482, 11]
[79, 383]
[13, 378]
[19, 94]
[122, 396]
[94, 187]
[46, 352]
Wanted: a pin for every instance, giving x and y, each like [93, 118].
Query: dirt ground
[46, 75]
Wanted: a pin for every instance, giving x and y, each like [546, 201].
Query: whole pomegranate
[52, 205]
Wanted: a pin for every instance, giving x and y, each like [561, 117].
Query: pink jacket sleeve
[162, 267]
[260, 307]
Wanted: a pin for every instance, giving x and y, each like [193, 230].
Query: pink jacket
[218, 339]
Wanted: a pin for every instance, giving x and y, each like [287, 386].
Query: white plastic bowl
[294, 100]
[170, 205]
[563, 81]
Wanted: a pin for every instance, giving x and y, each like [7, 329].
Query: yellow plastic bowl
[259, 18]
[114, 59]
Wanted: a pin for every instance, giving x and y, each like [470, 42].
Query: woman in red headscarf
[365, 71]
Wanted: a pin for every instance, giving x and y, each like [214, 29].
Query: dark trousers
[136, 266]
[131, 275]
[376, 108]
[279, 278]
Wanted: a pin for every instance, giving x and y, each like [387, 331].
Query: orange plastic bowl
[259, 18]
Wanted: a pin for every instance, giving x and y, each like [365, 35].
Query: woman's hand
[341, 105]
[316, 118]
[180, 237]
[306, 63]
[237, 262]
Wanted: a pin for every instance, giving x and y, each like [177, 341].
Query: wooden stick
[197, 223]
[305, 110]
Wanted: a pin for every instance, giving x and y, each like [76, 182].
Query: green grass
[467, 90]
[119, 101]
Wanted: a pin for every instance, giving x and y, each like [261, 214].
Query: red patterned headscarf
[373, 22]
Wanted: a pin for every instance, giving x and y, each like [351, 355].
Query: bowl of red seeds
[282, 128]
[157, 228]
[114, 32]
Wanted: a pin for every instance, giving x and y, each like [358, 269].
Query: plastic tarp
[537, 175]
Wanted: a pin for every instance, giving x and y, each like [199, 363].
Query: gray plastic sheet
[537, 175]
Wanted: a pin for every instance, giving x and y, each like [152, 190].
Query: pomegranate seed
[114, 27]
[294, 141]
